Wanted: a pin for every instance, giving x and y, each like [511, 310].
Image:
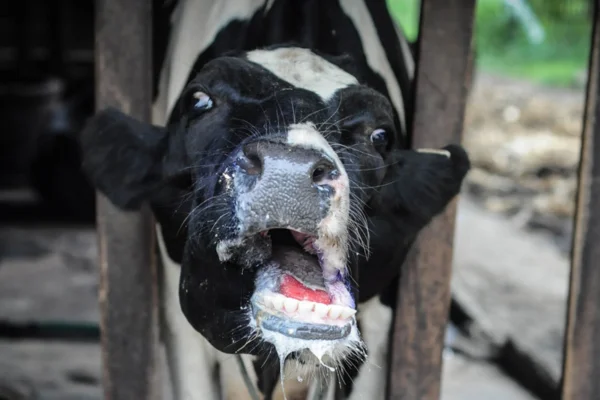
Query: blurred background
[513, 236]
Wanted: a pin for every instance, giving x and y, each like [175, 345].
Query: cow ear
[123, 157]
[420, 183]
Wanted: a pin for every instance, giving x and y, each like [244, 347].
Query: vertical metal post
[442, 77]
[581, 367]
[128, 291]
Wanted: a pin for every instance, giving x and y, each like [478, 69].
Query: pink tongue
[293, 288]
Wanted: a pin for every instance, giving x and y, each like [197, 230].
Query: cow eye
[379, 138]
[201, 101]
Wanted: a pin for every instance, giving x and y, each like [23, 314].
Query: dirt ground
[519, 182]
[524, 142]
[50, 274]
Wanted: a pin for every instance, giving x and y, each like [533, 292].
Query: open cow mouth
[294, 298]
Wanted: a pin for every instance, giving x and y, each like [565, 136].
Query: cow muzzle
[291, 206]
[279, 186]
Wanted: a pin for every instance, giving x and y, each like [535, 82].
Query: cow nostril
[318, 174]
[250, 160]
[250, 163]
[323, 171]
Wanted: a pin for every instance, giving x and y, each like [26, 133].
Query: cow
[286, 197]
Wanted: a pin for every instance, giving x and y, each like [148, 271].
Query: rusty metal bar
[128, 290]
[581, 366]
[442, 78]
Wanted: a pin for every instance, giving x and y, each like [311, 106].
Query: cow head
[267, 183]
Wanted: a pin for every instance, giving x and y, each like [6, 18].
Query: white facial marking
[358, 12]
[333, 229]
[307, 136]
[440, 152]
[304, 69]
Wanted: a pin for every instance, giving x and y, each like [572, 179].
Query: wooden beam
[128, 291]
[581, 367]
[442, 78]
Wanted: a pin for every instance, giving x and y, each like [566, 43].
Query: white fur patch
[307, 136]
[333, 229]
[358, 12]
[304, 69]
[375, 319]
[407, 57]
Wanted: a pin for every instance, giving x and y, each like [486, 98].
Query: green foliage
[503, 46]
[561, 10]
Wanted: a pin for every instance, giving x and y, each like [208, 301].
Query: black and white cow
[285, 197]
